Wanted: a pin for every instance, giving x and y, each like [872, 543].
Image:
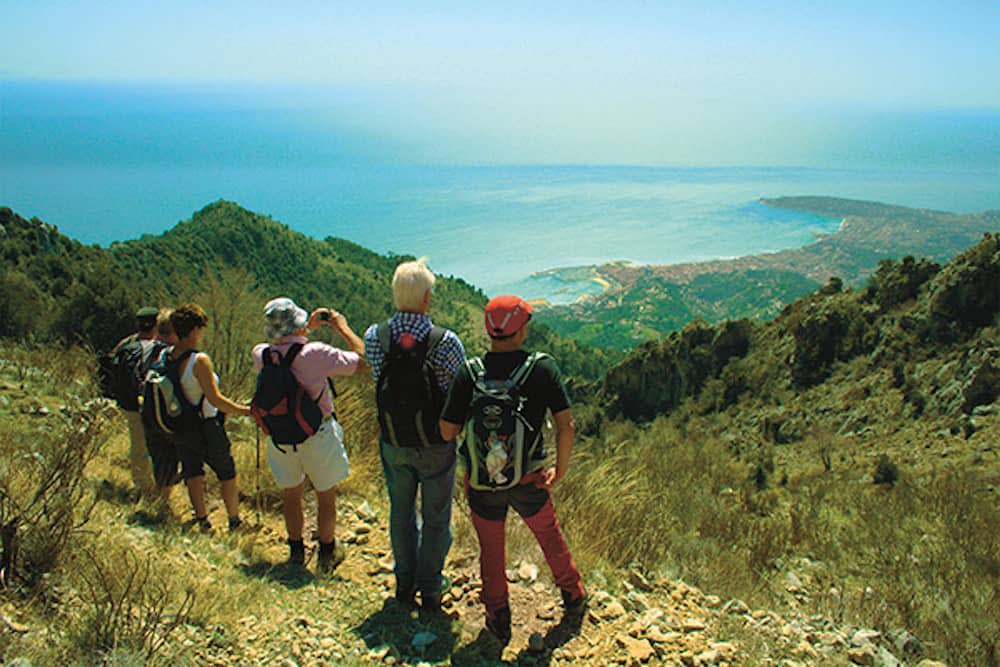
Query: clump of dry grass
[44, 496]
[129, 601]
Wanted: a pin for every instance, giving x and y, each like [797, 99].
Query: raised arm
[205, 374]
[336, 321]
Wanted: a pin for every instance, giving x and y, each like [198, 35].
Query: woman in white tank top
[200, 386]
[192, 388]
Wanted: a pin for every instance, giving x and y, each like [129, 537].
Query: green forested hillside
[909, 310]
[232, 261]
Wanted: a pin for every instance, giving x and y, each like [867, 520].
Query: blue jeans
[419, 551]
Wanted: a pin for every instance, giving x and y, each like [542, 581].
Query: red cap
[505, 314]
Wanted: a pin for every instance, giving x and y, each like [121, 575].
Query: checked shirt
[446, 358]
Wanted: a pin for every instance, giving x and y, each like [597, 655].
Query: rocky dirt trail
[351, 618]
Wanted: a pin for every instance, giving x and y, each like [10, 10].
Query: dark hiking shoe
[499, 625]
[330, 556]
[430, 601]
[296, 553]
[200, 523]
[235, 524]
[574, 606]
[405, 597]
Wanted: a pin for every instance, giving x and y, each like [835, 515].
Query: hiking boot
[202, 523]
[499, 625]
[235, 524]
[330, 556]
[574, 606]
[405, 597]
[296, 552]
[430, 601]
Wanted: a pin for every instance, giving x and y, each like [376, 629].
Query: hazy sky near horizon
[672, 83]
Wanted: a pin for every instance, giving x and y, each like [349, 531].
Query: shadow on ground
[290, 576]
[394, 627]
[484, 650]
[558, 635]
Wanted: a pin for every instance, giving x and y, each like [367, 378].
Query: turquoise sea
[113, 165]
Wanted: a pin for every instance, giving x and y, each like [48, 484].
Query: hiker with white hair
[413, 363]
[320, 454]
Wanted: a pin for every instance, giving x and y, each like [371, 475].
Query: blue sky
[674, 83]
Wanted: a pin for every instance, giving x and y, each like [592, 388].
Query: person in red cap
[501, 400]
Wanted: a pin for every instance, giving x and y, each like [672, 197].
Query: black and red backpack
[281, 406]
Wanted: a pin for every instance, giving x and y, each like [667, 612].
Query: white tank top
[192, 389]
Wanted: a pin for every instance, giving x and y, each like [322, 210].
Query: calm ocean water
[114, 175]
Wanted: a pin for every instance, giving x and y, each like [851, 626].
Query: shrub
[20, 303]
[898, 282]
[886, 472]
[964, 296]
[657, 377]
[44, 497]
[825, 332]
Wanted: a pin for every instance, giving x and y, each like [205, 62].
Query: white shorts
[322, 458]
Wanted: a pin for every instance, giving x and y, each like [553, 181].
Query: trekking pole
[257, 477]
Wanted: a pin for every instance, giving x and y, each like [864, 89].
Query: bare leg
[292, 509]
[230, 497]
[326, 514]
[196, 492]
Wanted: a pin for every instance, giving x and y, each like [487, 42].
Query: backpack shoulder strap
[523, 372]
[476, 367]
[435, 337]
[184, 355]
[384, 332]
[290, 355]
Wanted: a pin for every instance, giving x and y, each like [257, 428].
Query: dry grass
[922, 554]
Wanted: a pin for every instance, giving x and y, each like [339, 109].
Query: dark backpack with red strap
[407, 393]
[281, 406]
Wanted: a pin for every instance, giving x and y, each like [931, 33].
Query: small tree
[234, 305]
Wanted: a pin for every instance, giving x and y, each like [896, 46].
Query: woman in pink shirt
[321, 457]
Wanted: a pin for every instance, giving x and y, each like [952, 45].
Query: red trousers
[489, 511]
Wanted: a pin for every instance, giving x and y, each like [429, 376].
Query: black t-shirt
[543, 390]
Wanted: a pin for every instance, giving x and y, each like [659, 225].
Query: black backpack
[124, 370]
[407, 393]
[499, 442]
[164, 406]
[281, 406]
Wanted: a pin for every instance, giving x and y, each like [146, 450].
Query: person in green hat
[131, 356]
